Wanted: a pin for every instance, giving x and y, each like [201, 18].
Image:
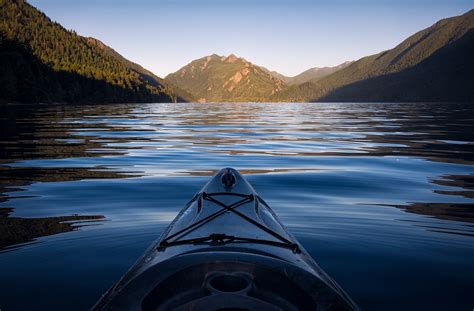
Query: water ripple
[381, 195]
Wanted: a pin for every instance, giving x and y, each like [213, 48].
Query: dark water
[381, 195]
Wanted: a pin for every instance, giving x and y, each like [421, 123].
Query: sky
[288, 36]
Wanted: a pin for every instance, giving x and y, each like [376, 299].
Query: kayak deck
[226, 249]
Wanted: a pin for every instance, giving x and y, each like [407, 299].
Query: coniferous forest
[40, 61]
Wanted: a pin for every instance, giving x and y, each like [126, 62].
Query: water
[381, 195]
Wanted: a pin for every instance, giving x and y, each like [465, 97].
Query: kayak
[226, 250]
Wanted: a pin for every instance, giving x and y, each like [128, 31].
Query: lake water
[381, 195]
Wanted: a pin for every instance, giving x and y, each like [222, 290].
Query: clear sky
[288, 36]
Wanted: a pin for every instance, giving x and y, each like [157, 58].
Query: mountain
[435, 64]
[43, 62]
[40, 61]
[312, 74]
[217, 78]
[276, 74]
[145, 74]
[316, 73]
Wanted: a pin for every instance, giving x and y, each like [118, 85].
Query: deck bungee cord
[222, 238]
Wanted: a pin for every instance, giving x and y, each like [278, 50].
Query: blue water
[381, 195]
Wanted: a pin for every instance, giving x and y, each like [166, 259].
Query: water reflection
[463, 185]
[16, 230]
[62, 143]
[15, 178]
[437, 132]
[379, 185]
[450, 211]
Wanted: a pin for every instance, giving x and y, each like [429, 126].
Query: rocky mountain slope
[217, 78]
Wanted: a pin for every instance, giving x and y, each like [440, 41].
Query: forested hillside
[42, 61]
[435, 64]
[312, 74]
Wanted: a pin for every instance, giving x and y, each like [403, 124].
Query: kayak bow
[226, 250]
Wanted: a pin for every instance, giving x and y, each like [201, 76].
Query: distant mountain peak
[311, 74]
[225, 78]
[230, 59]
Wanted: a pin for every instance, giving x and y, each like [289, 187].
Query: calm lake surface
[381, 195]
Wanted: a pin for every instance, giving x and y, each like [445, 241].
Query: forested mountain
[276, 74]
[217, 78]
[40, 61]
[312, 74]
[315, 74]
[435, 64]
[43, 62]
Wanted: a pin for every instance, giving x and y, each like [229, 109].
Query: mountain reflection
[14, 178]
[57, 143]
[464, 185]
[15, 230]
[448, 211]
[441, 133]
